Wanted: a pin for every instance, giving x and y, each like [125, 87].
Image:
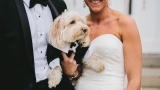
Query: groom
[25, 56]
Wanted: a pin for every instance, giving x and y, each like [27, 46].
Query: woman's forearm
[134, 84]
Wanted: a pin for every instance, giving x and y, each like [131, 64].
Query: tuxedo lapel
[53, 9]
[26, 30]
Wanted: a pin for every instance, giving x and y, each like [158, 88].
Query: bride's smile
[96, 5]
[95, 1]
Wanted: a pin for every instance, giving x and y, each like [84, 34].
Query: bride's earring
[84, 5]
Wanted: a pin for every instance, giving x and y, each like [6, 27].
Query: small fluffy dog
[68, 33]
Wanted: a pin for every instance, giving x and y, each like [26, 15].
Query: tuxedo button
[31, 86]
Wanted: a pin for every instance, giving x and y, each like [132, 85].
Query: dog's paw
[54, 77]
[100, 67]
[95, 62]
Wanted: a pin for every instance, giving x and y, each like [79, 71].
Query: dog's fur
[94, 62]
[67, 28]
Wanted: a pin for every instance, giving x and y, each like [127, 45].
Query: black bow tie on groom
[34, 2]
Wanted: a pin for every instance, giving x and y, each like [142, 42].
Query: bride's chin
[95, 9]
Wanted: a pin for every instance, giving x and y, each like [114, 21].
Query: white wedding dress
[110, 48]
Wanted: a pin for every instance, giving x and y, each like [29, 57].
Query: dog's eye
[72, 22]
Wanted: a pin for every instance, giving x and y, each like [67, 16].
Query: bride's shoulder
[126, 23]
[123, 19]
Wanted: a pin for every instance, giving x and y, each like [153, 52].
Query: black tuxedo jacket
[16, 53]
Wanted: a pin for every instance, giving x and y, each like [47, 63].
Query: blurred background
[146, 13]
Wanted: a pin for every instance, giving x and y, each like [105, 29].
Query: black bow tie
[34, 2]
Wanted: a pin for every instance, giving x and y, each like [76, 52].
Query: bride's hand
[69, 65]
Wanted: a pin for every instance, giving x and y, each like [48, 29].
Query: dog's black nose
[84, 30]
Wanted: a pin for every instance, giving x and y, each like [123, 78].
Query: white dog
[67, 28]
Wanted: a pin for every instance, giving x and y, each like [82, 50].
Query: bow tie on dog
[69, 33]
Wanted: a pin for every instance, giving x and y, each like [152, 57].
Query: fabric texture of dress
[110, 48]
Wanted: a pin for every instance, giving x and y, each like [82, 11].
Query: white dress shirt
[40, 20]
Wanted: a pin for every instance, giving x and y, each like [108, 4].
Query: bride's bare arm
[132, 52]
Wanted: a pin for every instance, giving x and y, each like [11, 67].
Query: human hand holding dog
[69, 65]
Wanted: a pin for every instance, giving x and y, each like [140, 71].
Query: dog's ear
[85, 41]
[55, 32]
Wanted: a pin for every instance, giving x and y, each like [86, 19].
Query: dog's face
[69, 27]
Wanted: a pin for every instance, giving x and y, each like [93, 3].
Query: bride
[115, 38]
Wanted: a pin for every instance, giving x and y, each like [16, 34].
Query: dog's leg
[95, 62]
[54, 77]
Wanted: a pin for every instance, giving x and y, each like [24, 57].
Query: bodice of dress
[110, 48]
